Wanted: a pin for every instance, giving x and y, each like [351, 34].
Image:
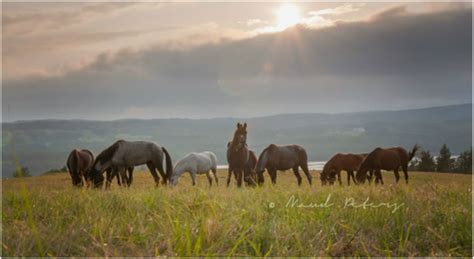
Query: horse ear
[245, 125]
[238, 125]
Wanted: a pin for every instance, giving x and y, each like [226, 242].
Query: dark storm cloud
[394, 60]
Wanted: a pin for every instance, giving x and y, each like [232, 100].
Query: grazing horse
[125, 154]
[386, 159]
[238, 154]
[79, 162]
[249, 169]
[337, 163]
[282, 158]
[196, 163]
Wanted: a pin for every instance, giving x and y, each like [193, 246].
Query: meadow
[431, 216]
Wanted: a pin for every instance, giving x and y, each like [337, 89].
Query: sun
[287, 15]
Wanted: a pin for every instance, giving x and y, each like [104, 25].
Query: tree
[464, 162]
[22, 172]
[427, 163]
[444, 161]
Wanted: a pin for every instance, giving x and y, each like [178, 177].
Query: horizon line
[236, 117]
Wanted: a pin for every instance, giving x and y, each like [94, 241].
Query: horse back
[389, 158]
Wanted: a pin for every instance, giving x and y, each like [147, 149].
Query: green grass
[51, 218]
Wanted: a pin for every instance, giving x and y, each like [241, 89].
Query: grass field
[46, 216]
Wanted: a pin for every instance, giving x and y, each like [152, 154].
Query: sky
[106, 61]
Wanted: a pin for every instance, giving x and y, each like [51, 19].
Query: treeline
[443, 161]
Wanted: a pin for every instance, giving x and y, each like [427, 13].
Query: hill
[42, 145]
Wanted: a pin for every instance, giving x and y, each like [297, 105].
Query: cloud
[391, 62]
[35, 22]
[343, 9]
[253, 22]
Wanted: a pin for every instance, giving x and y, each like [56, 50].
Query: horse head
[240, 137]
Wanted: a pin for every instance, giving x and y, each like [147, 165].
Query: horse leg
[405, 172]
[118, 179]
[109, 173]
[130, 175]
[229, 175]
[397, 175]
[238, 176]
[370, 175]
[304, 166]
[159, 166]
[339, 177]
[353, 177]
[123, 175]
[214, 171]
[297, 174]
[379, 176]
[273, 175]
[153, 173]
[209, 178]
[193, 177]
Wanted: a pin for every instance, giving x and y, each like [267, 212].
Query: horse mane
[109, 152]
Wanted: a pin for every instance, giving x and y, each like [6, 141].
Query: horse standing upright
[282, 158]
[79, 162]
[238, 155]
[125, 154]
[386, 159]
[249, 169]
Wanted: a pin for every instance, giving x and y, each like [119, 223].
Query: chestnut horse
[282, 158]
[386, 159]
[238, 156]
[79, 163]
[347, 162]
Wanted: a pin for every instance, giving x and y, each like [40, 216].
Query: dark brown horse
[238, 155]
[347, 162]
[249, 170]
[79, 163]
[386, 159]
[282, 158]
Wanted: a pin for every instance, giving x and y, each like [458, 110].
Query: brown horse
[249, 170]
[79, 163]
[386, 159]
[282, 158]
[337, 163]
[238, 154]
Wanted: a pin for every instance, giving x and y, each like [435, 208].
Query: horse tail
[75, 156]
[169, 164]
[412, 153]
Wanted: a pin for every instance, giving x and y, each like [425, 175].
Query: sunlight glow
[287, 15]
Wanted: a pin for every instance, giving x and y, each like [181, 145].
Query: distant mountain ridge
[44, 144]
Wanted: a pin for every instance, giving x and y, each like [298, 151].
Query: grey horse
[196, 163]
[126, 154]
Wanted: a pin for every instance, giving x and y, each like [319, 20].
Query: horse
[196, 163]
[347, 162]
[386, 159]
[249, 169]
[79, 162]
[282, 158]
[122, 155]
[238, 155]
